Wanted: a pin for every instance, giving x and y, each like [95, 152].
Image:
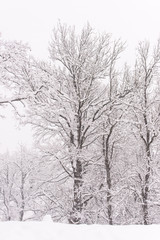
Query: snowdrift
[47, 230]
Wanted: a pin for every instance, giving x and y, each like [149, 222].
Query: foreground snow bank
[48, 230]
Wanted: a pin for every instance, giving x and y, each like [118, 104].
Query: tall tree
[146, 114]
[72, 99]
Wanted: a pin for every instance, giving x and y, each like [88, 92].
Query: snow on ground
[47, 230]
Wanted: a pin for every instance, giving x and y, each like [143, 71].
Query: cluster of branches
[97, 127]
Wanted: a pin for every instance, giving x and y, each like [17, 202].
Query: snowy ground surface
[47, 230]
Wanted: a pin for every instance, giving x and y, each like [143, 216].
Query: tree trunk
[75, 217]
[108, 176]
[108, 170]
[145, 199]
[21, 214]
[145, 191]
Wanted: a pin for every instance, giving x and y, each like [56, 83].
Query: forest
[96, 128]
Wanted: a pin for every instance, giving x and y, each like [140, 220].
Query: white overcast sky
[32, 21]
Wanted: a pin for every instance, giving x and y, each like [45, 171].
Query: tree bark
[145, 190]
[21, 214]
[77, 195]
[108, 176]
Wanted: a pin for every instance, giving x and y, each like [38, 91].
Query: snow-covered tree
[72, 99]
[19, 185]
[145, 118]
[97, 129]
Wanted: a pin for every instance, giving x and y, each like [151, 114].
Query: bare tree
[72, 98]
[146, 113]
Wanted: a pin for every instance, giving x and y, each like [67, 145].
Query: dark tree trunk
[108, 175]
[145, 190]
[145, 193]
[108, 171]
[75, 217]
